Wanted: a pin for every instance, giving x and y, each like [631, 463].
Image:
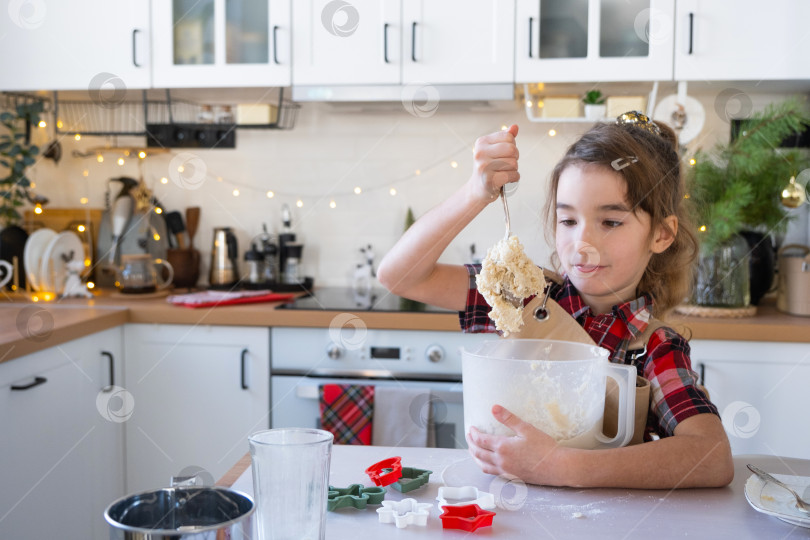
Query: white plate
[33, 252]
[770, 499]
[53, 271]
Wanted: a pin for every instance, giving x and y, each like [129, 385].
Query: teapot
[138, 274]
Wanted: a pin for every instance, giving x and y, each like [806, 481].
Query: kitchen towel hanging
[402, 416]
[347, 411]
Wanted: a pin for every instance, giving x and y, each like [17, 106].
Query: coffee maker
[224, 272]
[289, 250]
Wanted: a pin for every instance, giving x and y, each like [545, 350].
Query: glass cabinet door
[193, 24]
[563, 28]
[624, 28]
[246, 32]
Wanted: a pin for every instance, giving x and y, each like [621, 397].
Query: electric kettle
[224, 268]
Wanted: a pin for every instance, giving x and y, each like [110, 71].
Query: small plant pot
[595, 112]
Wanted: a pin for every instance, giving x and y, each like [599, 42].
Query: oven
[426, 362]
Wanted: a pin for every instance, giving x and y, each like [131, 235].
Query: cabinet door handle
[385, 43]
[36, 382]
[531, 31]
[242, 376]
[111, 363]
[413, 41]
[691, 31]
[275, 45]
[134, 42]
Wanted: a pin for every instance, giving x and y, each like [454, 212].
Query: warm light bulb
[158, 210]
[156, 236]
[91, 285]
[42, 124]
[332, 204]
[164, 180]
[552, 132]
[141, 154]
[392, 191]
[692, 162]
[299, 203]
[87, 262]
[83, 200]
[85, 173]
[33, 185]
[126, 153]
[270, 194]
[80, 228]
[504, 127]
[540, 104]
[78, 137]
[100, 158]
[219, 179]
[528, 104]
[357, 190]
[454, 164]
[418, 172]
[703, 228]
[236, 193]
[121, 161]
[59, 124]
[37, 209]
[685, 195]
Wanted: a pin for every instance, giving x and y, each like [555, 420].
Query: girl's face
[603, 246]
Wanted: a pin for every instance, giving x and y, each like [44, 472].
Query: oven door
[294, 403]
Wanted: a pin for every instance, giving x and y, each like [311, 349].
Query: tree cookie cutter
[354, 496]
[465, 496]
[385, 472]
[468, 517]
[405, 512]
[411, 479]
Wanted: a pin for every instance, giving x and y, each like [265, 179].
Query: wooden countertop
[68, 319]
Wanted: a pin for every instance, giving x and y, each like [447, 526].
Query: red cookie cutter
[385, 472]
[468, 517]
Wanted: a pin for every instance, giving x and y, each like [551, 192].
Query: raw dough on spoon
[508, 274]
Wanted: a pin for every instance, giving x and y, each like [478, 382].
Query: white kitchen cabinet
[593, 40]
[198, 393]
[221, 43]
[62, 457]
[402, 42]
[76, 45]
[760, 390]
[741, 40]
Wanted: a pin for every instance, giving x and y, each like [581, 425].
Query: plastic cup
[290, 482]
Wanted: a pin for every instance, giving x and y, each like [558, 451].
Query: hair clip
[639, 120]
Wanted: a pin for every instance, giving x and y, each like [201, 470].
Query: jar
[723, 278]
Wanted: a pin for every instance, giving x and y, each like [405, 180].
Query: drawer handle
[385, 43]
[244, 384]
[691, 30]
[275, 45]
[413, 41]
[531, 31]
[134, 53]
[36, 382]
[112, 370]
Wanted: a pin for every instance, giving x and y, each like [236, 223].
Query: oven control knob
[435, 353]
[334, 351]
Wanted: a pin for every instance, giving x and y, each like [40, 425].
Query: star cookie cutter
[354, 496]
[466, 495]
[405, 512]
[385, 472]
[468, 517]
[411, 479]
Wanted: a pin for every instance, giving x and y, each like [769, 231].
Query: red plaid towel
[346, 412]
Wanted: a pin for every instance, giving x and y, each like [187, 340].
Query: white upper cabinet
[399, 42]
[221, 43]
[593, 40]
[76, 45]
[742, 40]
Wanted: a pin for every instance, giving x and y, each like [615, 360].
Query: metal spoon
[507, 293]
[801, 504]
[506, 212]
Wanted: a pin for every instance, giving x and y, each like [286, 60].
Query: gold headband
[639, 120]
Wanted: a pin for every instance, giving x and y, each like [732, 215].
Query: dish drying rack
[131, 117]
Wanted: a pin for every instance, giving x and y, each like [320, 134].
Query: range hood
[398, 93]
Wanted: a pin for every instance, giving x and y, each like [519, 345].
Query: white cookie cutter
[466, 495]
[405, 512]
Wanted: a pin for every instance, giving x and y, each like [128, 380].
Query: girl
[625, 248]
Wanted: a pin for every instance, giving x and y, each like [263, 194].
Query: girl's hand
[495, 163]
[530, 454]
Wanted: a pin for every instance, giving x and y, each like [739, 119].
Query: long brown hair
[650, 166]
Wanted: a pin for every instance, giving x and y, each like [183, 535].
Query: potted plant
[735, 193]
[16, 155]
[595, 107]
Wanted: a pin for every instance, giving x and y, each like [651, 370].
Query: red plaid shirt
[665, 362]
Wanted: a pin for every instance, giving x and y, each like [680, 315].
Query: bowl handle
[625, 377]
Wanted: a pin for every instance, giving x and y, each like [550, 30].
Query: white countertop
[558, 513]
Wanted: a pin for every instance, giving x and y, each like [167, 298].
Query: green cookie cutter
[354, 496]
[411, 479]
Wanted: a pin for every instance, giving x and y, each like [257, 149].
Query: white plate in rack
[53, 270]
[32, 254]
[768, 498]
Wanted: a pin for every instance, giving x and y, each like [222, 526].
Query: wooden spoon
[192, 222]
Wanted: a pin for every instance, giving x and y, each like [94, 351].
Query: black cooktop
[347, 299]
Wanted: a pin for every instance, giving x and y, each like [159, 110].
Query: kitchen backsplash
[396, 159]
